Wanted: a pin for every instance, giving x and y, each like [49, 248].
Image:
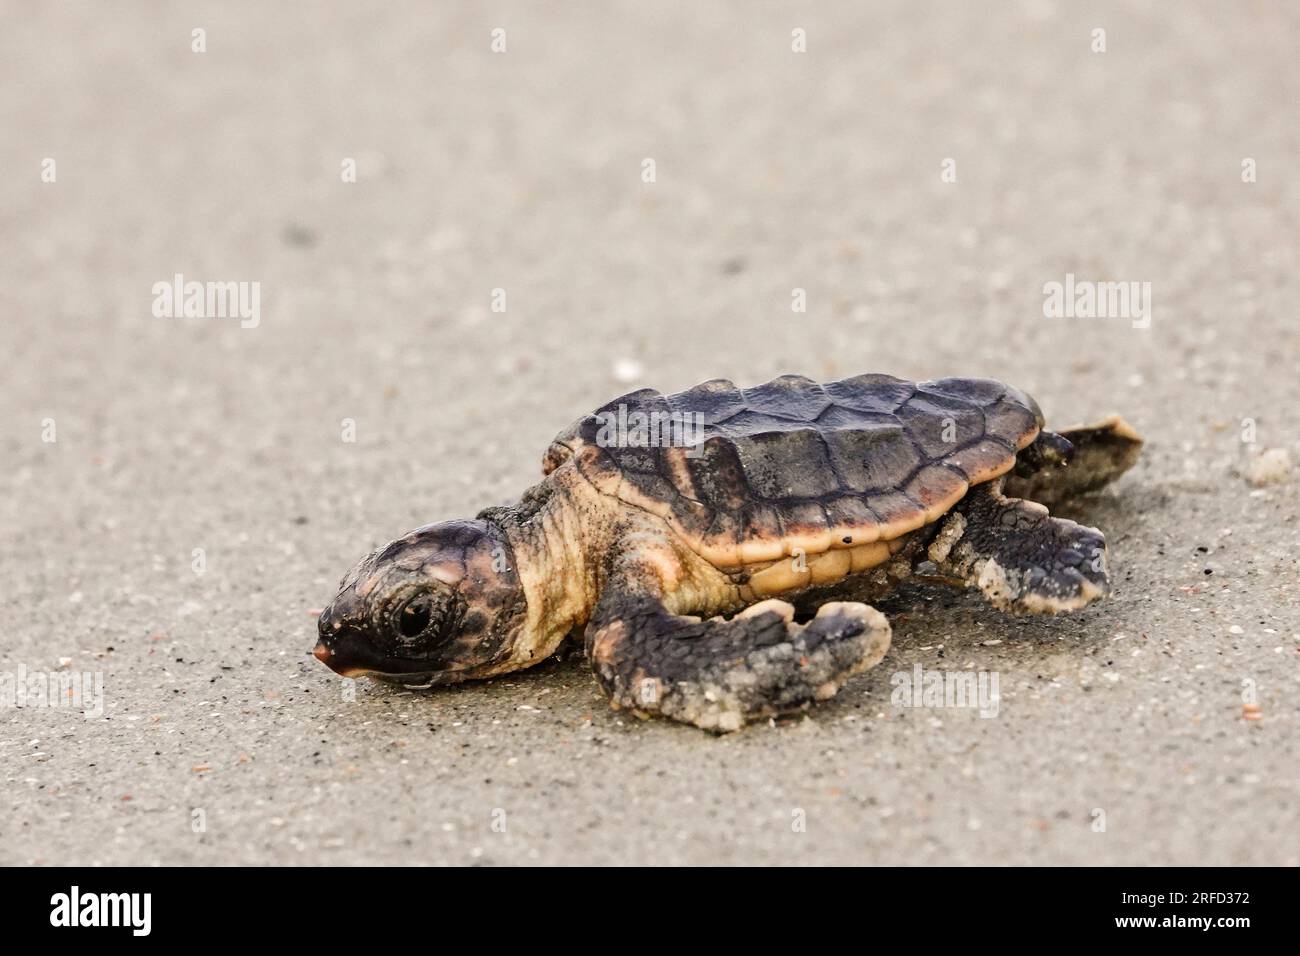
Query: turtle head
[439, 605]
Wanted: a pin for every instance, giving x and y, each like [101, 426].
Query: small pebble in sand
[627, 371]
[1236, 629]
[1271, 467]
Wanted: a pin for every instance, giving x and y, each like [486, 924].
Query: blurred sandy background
[521, 170]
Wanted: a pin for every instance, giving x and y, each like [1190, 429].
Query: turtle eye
[414, 616]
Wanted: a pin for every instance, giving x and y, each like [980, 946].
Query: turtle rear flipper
[1101, 453]
[1019, 556]
[718, 674]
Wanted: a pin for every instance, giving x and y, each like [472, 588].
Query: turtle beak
[325, 654]
[332, 650]
[347, 651]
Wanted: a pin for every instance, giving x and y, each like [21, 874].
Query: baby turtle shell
[751, 475]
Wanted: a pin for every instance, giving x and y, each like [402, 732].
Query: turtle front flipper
[1100, 453]
[1019, 556]
[717, 674]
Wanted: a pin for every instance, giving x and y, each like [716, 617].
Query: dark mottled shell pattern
[749, 475]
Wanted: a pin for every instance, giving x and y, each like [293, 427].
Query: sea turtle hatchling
[787, 506]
